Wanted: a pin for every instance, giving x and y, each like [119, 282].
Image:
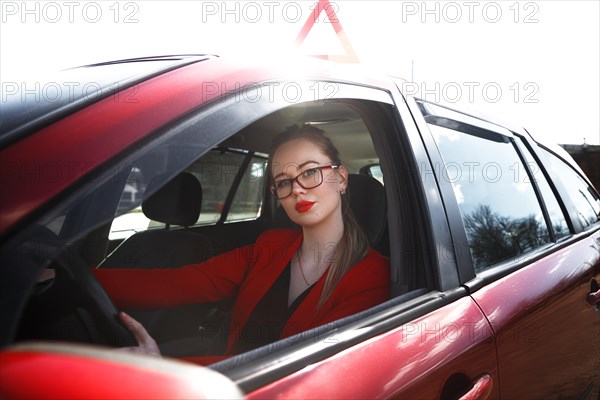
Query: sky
[535, 63]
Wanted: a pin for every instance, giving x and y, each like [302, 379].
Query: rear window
[217, 172]
[582, 195]
[498, 205]
[557, 218]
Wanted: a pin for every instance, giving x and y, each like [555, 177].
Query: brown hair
[353, 245]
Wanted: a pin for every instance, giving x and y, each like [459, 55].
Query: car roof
[32, 104]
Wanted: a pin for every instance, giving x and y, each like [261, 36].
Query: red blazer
[248, 272]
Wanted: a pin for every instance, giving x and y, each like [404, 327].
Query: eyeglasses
[309, 179]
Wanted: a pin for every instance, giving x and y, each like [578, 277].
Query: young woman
[288, 281]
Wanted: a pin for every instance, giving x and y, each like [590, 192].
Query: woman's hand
[146, 344]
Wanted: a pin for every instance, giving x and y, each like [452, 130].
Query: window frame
[527, 147]
[449, 269]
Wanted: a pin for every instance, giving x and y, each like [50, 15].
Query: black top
[270, 315]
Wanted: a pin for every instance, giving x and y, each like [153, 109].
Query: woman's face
[320, 204]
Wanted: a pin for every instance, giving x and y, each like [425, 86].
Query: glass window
[497, 202]
[133, 221]
[248, 198]
[584, 198]
[375, 172]
[216, 171]
[557, 217]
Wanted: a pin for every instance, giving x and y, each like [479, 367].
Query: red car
[493, 238]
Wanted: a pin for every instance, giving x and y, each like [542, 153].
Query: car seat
[369, 205]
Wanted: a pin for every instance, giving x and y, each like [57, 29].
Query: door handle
[594, 299]
[481, 390]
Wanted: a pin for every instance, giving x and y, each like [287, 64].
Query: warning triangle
[325, 6]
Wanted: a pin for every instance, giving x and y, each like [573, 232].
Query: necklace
[301, 269]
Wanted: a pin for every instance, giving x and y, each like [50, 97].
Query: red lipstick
[304, 206]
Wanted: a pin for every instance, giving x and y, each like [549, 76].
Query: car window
[555, 213]
[216, 171]
[249, 196]
[375, 172]
[499, 209]
[582, 195]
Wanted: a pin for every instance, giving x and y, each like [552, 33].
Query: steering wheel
[97, 302]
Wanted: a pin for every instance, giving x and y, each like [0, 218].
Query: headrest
[176, 203]
[368, 202]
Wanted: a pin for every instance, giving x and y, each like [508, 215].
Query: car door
[444, 353]
[535, 254]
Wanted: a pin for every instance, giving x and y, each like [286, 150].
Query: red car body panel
[91, 374]
[414, 360]
[533, 312]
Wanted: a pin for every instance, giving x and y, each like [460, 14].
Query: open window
[223, 151]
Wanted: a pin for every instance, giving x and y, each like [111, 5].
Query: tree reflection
[494, 238]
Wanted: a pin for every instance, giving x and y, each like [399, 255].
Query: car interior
[218, 202]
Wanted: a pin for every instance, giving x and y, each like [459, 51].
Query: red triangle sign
[324, 5]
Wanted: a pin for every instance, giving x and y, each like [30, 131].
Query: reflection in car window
[584, 198]
[557, 217]
[497, 202]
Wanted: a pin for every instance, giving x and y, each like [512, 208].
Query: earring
[343, 191]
